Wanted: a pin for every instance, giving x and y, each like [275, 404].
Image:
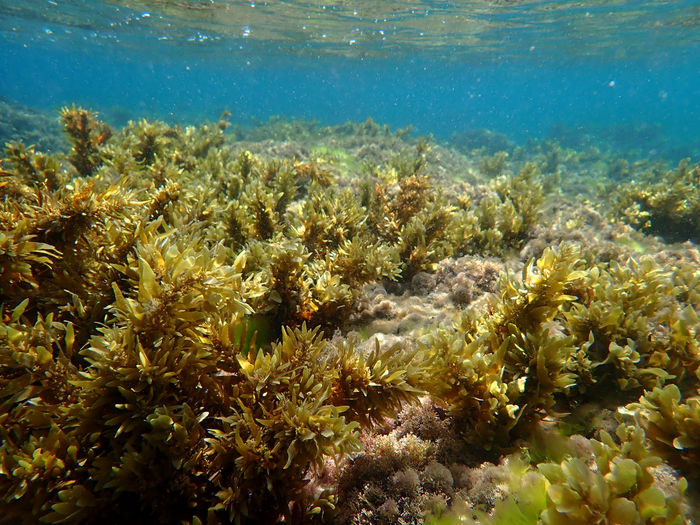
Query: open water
[529, 69]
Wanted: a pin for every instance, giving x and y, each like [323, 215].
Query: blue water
[520, 80]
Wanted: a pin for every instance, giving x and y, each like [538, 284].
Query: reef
[348, 324]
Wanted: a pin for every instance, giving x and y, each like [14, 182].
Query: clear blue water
[443, 67]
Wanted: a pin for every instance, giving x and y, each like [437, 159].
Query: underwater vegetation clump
[413, 221]
[606, 480]
[425, 225]
[668, 206]
[188, 427]
[503, 219]
[497, 371]
[568, 329]
[672, 422]
[127, 379]
[86, 134]
[164, 294]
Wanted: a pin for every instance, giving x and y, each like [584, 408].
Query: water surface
[443, 67]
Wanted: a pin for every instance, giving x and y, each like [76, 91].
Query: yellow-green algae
[669, 207]
[613, 483]
[125, 382]
[134, 269]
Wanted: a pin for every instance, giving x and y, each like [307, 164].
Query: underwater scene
[354, 262]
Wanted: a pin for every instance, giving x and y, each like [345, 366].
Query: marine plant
[86, 134]
[36, 366]
[327, 220]
[498, 371]
[31, 168]
[21, 261]
[414, 218]
[128, 379]
[502, 220]
[669, 206]
[176, 165]
[168, 417]
[294, 286]
[639, 332]
[309, 247]
[672, 422]
[162, 295]
[85, 231]
[481, 140]
[567, 326]
[615, 483]
[494, 165]
[278, 127]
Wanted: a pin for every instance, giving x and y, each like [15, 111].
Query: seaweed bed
[343, 325]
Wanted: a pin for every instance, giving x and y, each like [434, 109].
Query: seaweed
[86, 134]
[614, 484]
[167, 416]
[566, 326]
[189, 425]
[494, 165]
[497, 372]
[633, 327]
[33, 169]
[163, 293]
[502, 220]
[668, 207]
[415, 219]
[672, 422]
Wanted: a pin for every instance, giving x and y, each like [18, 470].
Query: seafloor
[288, 323]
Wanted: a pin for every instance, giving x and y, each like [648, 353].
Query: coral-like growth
[401, 476]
